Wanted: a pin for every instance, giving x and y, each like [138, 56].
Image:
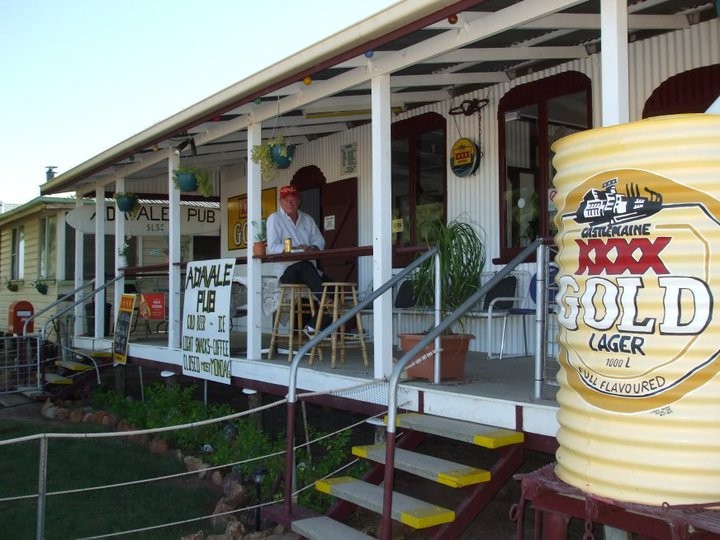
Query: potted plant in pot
[260, 245]
[126, 202]
[462, 258]
[191, 178]
[275, 153]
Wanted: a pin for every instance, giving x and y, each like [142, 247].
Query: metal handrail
[55, 303]
[322, 334]
[81, 300]
[386, 523]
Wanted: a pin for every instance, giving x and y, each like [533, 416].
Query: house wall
[650, 63]
[26, 291]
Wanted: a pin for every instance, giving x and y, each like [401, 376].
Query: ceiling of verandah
[457, 48]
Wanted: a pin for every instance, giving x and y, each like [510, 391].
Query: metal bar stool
[338, 297]
[295, 301]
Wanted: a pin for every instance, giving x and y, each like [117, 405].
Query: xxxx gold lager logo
[639, 260]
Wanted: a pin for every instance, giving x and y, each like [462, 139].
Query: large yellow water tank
[639, 257]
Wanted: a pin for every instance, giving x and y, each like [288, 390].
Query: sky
[79, 76]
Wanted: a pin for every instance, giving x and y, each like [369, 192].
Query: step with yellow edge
[54, 378]
[439, 470]
[72, 365]
[93, 353]
[405, 509]
[460, 430]
[323, 527]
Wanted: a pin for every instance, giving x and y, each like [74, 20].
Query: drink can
[288, 245]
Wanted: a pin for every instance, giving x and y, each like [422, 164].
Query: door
[339, 225]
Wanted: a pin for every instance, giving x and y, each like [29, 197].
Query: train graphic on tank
[607, 206]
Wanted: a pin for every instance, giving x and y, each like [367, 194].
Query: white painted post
[381, 220]
[79, 256]
[614, 62]
[119, 243]
[254, 267]
[174, 256]
[99, 259]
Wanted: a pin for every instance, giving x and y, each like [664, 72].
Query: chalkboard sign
[123, 322]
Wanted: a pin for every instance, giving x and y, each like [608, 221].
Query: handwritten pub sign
[206, 320]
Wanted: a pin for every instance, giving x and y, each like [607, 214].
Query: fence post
[42, 489]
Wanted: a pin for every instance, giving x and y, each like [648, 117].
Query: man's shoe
[309, 331]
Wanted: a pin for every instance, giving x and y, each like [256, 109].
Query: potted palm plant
[275, 153]
[191, 178]
[462, 258]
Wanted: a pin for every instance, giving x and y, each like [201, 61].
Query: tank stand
[556, 503]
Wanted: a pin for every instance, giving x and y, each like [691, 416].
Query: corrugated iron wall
[476, 196]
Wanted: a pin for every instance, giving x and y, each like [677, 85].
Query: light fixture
[258, 477]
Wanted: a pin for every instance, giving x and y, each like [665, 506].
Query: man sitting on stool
[290, 222]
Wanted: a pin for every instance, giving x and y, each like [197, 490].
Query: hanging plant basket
[187, 181]
[126, 201]
[190, 178]
[282, 156]
[42, 288]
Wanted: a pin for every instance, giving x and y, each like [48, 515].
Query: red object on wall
[18, 313]
[155, 306]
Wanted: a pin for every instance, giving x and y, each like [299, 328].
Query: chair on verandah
[502, 297]
[524, 311]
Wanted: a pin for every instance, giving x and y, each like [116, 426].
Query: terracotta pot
[259, 249]
[454, 353]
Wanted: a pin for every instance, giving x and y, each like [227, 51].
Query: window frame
[537, 93]
[412, 130]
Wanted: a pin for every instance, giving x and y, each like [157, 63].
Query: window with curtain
[17, 262]
[47, 247]
[531, 118]
[419, 182]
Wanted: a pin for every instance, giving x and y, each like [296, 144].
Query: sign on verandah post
[123, 322]
[206, 320]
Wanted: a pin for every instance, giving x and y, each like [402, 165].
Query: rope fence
[130, 482]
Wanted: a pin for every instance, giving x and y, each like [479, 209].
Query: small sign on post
[121, 338]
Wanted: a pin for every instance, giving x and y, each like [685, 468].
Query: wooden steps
[439, 470]
[72, 365]
[459, 430]
[408, 510]
[93, 353]
[323, 527]
[479, 485]
[54, 378]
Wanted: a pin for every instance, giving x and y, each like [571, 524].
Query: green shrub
[173, 405]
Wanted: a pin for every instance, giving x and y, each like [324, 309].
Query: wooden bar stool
[337, 298]
[295, 301]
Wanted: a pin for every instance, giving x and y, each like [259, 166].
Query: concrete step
[323, 527]
[72, 365]
[439, 470]
[405, 509]
[459, 430]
